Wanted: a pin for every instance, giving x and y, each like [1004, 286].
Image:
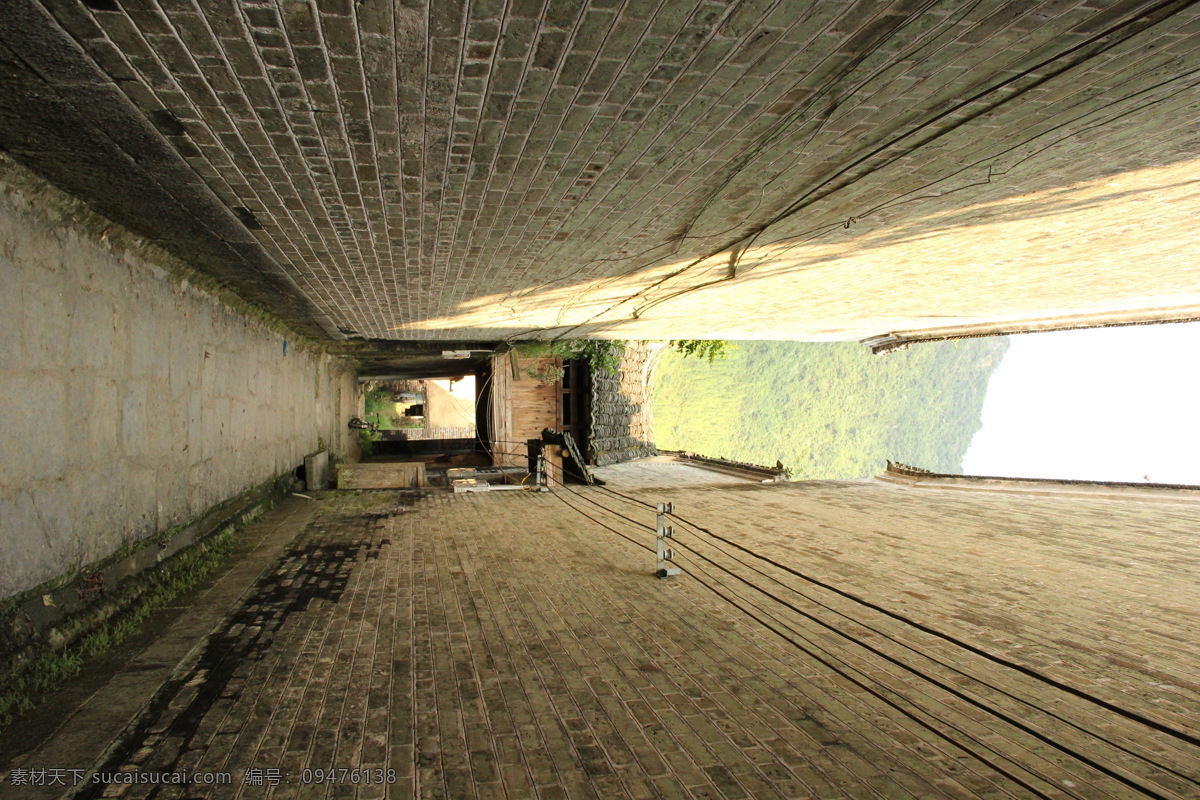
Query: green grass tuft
[46, 668]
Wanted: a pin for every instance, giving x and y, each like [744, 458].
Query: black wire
[563, 471]
[939, 683]
[954, 743]
[815, 233]
[919, 626]
[921, 653]
[1021, 668]
[804, 649]
[978, 704]
[1111, 742]
[1106, 39]
[601, 524]
[804, 237]
[883, 691]
[814, 655]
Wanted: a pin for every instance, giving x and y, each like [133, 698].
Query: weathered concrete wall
[133, 401]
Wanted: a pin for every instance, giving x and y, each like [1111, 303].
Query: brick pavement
[514, 645]
[763, 168]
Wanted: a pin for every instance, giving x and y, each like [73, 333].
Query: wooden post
[553, 454]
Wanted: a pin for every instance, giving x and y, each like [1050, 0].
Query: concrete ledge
[383, 475]
[905, 475]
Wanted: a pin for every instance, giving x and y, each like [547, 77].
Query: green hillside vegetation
[827, 411]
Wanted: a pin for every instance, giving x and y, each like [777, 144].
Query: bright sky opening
[1111, 404]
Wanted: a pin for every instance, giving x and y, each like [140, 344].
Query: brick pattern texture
[515, 645]
[764, 168]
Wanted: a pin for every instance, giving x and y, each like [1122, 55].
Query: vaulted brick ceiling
[485, 169]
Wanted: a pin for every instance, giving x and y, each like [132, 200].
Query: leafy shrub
[366, 442]
[602, 355]
[548, 374]
[708, 349]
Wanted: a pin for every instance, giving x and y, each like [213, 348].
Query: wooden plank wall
[521, 408]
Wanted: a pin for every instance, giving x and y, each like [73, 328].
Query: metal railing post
[663, 532]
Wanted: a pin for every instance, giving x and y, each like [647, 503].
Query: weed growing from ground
[46, 668]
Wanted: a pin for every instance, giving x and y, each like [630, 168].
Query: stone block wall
[622, 418]
[133, 400]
